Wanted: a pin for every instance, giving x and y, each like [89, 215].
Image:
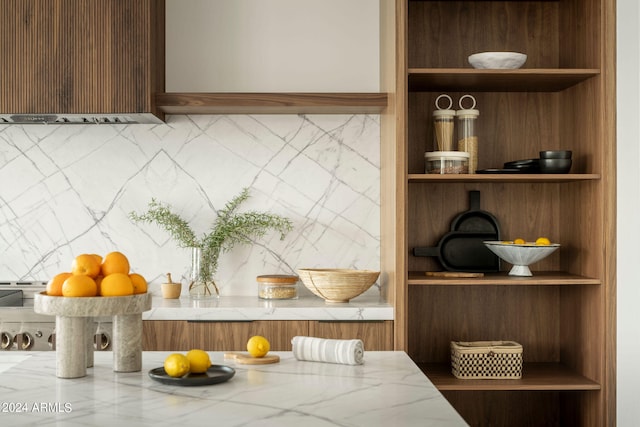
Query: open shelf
[479, 80]
[435, 178]
[563, 99]
[271, 103]
[539, 278]
[535, 377]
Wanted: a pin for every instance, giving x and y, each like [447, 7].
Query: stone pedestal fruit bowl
[74, 335]
[337, 285]
[91, 306]
[521, 255]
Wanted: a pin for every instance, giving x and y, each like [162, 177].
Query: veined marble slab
[69, 190]
[239, 308]
[9, 360]
[387, 390]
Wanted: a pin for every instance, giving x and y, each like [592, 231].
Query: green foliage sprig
[228, 230]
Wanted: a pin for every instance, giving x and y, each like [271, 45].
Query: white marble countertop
[387, 390]
[243, 308]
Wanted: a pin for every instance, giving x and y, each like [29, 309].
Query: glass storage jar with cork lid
[277, 286]
[467, 132]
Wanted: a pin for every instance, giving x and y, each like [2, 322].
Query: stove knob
[52, 341]
[5, 341]
[23, 341]
[101, 342]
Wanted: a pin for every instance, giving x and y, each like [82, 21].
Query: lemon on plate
[199, 361]
[176, 365]
[258, 346]
[543, 241]
[519, 241]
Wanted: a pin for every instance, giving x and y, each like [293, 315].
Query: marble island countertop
[387, 390]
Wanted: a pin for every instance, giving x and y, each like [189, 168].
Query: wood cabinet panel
[458, 28]
[271, 103]
[484, 313]
[376, 335]
[522, 409]
[233, 336]
[182, 335]
[165, 335]
[80, 56]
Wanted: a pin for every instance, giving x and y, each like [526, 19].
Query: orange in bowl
[85, 264]
[139, 283]
[78, 285]
[116, 285]
[54, 286]
[115, 262]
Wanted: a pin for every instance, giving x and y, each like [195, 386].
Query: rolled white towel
[346, 352]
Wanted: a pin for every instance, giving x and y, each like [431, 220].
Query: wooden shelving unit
[521, 80]
[540, 278]
[536, 376]
[271, 103]
[504, 178]
[562, 98]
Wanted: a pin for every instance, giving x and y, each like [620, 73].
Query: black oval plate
[495, 170]
[215, 374]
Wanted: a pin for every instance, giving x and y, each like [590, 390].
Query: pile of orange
[92, 275]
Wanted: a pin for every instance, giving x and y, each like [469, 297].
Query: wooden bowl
[337, 285]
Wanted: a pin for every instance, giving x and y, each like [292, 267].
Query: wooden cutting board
[452, 274]
[245, 359]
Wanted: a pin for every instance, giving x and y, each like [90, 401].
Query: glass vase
[200, 286]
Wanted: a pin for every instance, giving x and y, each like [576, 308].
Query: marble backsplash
[66, 190]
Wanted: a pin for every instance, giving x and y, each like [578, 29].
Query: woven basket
[486, 360]
[337, 285]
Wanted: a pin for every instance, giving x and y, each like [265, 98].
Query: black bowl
[555, 165]
[555, 154]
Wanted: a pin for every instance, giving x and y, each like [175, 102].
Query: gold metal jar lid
[280, 279]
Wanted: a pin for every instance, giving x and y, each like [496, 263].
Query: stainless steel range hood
[81, 61]
[78, 119]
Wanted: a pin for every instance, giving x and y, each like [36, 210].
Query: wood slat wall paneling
[81, 56]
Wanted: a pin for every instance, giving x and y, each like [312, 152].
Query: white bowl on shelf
[497, 60]
[521, 256]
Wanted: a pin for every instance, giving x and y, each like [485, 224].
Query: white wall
[628, 128]
[273, 46]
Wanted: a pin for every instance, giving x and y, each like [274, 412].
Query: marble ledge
[247, 308]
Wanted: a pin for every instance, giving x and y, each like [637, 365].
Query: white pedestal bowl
[521, 256]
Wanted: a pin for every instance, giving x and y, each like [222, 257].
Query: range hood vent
[81, 61]
[78, 119]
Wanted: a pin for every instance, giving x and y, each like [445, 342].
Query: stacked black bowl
[555, 161]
